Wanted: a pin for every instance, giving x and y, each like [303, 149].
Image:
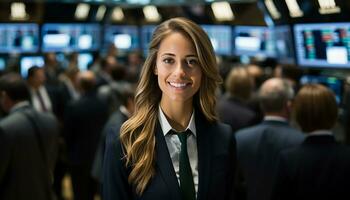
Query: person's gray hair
[274, 94]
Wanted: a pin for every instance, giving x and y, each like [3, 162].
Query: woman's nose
[181, 68]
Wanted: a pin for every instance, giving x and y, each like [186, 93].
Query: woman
[176, 93]
[319, 167]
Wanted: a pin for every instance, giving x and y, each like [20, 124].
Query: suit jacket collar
[164, 163]
[319, 139]
[20, 106]
[204, 131]
[275, 122]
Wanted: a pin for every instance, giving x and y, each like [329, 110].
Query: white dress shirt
[174, 146]
[45, 97]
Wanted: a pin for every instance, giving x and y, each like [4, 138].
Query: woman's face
[178, 70]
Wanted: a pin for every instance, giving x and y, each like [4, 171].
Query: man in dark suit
[115, 121]
[258, 146]
[233, 107]
[319, 167]
[84, 120]
[28, 145]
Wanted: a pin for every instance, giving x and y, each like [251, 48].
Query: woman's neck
[178, 114]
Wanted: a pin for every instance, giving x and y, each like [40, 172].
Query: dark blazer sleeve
[5, 154]
[233, 161]
[115, 175]
[223, 163]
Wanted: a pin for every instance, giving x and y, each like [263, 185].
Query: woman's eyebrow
[168, 54]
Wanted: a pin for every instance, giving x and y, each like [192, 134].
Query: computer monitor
[2, 64]
[84, 59]
[334, 83]
[254, 41]
[284, 44]
[146, 36]
[70, 37]
[124, 37]
[27, 62]
[220, 37]
[19, 38]
[324, 45]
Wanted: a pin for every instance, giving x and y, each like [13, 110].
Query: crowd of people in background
[78, 108]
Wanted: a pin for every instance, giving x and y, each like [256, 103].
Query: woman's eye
[192, 62]
[168, 60]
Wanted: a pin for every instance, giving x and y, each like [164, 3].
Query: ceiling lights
[151, 14]
[328, 7]
[294, 9]
[82, 11]
[271, 7]
[100, 12]
[117, 14]
[18, 11]
[222, 11]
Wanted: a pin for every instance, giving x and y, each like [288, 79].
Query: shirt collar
[320, 132]
[275, 118]
[166, 127]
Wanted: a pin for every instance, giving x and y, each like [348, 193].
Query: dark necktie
[186, 178]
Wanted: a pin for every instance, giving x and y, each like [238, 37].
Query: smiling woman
[173, 147]
[178, 71]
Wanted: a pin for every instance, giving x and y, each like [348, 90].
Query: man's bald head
[274, 95]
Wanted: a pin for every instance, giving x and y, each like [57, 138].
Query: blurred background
[302, 40]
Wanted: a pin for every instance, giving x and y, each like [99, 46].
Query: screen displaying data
[124, 37]
[254, 41]
[21, 38]
[70, 37]
[284, 44]
[323, 45]
[220, 37]
[334, 83]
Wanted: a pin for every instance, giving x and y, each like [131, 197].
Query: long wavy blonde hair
[137, 135]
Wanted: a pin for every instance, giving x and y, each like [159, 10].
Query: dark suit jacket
[112, 126]
[23, 173]
[258, 148]
[233, 112]
[318, 169]
[216, 165]
[83, 123]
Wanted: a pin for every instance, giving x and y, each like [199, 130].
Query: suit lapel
[165, 165]
[204, 156]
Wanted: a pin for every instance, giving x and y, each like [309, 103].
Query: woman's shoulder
[222, 129]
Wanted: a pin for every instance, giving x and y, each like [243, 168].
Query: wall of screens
[19, 38]
[316, 45]
[146, 36]
[70, 37]
[220, 37]
[124, 37]
[323, 45]
[284, 44]
[254, 41]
